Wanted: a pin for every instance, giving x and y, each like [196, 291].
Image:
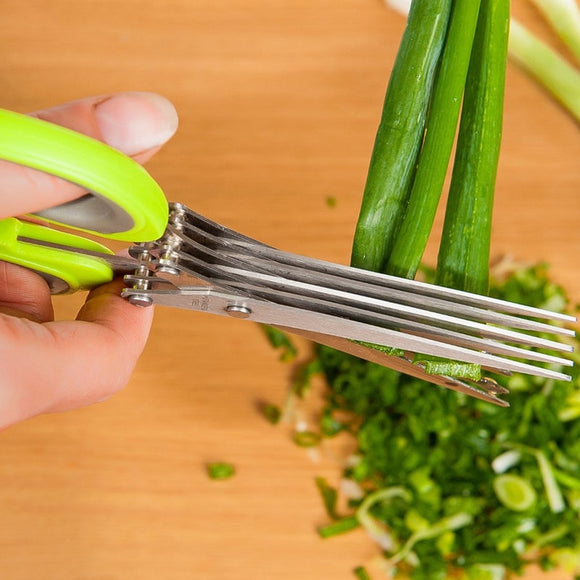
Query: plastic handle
[65, 271]
[124, 202]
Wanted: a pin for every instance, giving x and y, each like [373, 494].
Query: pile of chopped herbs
[446, 484]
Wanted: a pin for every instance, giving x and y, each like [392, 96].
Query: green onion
[514, 492]
[566, 479]
[341, 526]
[551, 486]
[280, 340]
[416, 225]
[450, 523]
[400, 133]
[376, 531]
[486, 572]
[306, 439]
[550, 537]
[438, 366]
[506, 460]
[553, 492]
[361, 573]
[564, 17]
[546, 66]
[272, 413]
[220, 470]
[421, 455]
[331, 201]
[463, 260]
[329, 496]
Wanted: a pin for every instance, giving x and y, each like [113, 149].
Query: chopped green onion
[514, 492]
[450, 523]
[220, 470]
[486, 572]
[566, 479]
[442, 451]
[361, 573]
[363, 515]
[306, 439]
[280, 340]
[341, 526]
[551, 536]
[568, 559]
[506, 460]
[553, 492]
[273, 413]
[329, 496]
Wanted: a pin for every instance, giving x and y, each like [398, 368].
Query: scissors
[181, 259]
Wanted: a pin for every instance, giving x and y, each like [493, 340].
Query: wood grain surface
[279, 103]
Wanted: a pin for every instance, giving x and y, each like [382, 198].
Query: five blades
[400, 313]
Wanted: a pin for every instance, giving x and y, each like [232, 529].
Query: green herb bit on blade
[438, 366]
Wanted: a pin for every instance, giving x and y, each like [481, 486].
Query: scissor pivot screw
[238, 310]
[141, 300]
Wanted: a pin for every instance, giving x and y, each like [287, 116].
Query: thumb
[74, 363]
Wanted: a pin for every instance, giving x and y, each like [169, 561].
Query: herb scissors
[181, 259]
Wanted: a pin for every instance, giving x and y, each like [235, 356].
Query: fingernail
[136, 122]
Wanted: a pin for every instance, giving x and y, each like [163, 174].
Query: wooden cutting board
[279, 103]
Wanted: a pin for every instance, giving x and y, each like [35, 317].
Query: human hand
[50, 366]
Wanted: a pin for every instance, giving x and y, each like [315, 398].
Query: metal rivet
[141, 300]
[165, 269]
[238, 310]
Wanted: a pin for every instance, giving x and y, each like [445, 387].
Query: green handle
[66, 271]
[124, 202]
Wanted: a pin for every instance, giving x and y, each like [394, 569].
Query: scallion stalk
[400, 133]
[561, 79]
[463, 260]
[405, 258]
[564, 18]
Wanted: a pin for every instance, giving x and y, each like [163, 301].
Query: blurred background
[279, 103]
